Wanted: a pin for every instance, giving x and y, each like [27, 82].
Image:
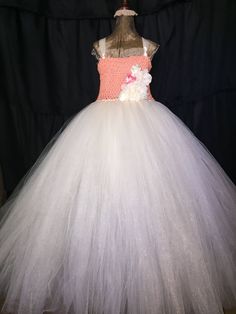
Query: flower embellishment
[130, 78]
[136, 84]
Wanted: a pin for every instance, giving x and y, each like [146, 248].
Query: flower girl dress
[126, 211]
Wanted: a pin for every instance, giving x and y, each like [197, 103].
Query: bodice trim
[128, 57]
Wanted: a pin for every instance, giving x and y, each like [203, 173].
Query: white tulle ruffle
[126, 212]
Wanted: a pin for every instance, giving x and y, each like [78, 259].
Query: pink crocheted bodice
[113, 71]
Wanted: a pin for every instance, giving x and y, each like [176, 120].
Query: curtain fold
[74, 9]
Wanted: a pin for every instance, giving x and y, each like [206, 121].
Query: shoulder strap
[145, 46]
[102, 47]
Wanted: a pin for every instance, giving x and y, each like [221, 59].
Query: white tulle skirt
[126, 211]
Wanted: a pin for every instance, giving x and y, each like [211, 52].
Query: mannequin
[124, 41]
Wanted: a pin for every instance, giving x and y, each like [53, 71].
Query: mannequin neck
[125, 26]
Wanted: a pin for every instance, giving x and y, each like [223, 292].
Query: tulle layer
[124, 212]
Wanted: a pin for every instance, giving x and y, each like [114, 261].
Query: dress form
[125, 40]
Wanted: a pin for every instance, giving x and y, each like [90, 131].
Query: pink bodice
[113, 71]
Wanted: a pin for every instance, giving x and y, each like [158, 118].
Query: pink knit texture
[113, 72]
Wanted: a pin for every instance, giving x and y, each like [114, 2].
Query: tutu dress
[125, 212]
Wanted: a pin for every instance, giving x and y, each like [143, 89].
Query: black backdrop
[48, 73]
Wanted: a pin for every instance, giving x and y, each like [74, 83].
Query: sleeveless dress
[125, 211]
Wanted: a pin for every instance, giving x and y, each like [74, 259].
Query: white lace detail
[102, 47]
[125, 12]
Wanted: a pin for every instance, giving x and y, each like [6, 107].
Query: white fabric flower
[136, 84]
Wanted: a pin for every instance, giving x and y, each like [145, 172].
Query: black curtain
[48, 73]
